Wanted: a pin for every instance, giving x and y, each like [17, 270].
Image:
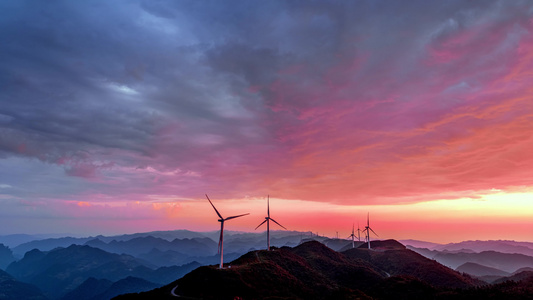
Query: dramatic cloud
[352, 103]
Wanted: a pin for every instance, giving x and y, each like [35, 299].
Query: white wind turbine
[368, 229]
[353, 235]
[221, 239]
[267, 220]
[358, 232]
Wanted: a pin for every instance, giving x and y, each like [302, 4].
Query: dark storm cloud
[147, 97]
[84, 81]
[82, 75]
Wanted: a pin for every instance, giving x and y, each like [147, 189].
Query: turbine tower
[267, 220]
[368, 229]
[221, 239]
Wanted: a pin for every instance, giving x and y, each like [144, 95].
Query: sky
[119, 116]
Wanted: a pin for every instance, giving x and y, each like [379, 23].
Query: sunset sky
[119, 116]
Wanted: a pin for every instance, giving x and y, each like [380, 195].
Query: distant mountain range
[98, 289]
[6, 256]
[63, 269]
[480, 270]
[525, 248]
[314, 271]
[102, 267]
[234, 241]
[13, 240]
[142, 245]
[419, 244]
[503, 261]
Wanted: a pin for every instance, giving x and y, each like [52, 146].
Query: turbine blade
[278, 224]
[233, 217]
[260, 224]
[214, 207]
[268, 205]
[373, 231]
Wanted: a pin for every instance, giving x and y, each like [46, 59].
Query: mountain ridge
[312, 271]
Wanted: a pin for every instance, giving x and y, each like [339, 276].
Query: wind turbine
[267, 220]
[368, 229]
[359, 232]
[221, 239]
[353, 235]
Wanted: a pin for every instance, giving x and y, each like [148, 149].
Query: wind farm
[119, 118]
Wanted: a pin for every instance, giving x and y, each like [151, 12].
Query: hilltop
[314, 271]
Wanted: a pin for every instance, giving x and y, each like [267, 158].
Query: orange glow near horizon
[494, 216]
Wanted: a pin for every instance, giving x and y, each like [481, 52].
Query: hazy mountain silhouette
[522, 270]
[314, 271]
[503, 261]
[13, 240]
[48, 244]
[89, 289]
[193, 244]
[24, 243]
[63, 269]
[524, 248]
[166, 235]
[419, 244]
[10, 288]
[142, 245]
[127, 285]
[357, 244]
[6, 256]
[160, 252]
[311, 269]
[521, 276]
[172, 258]
[339, 244]
[480, 270]
[393, 258]
[102, 289]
